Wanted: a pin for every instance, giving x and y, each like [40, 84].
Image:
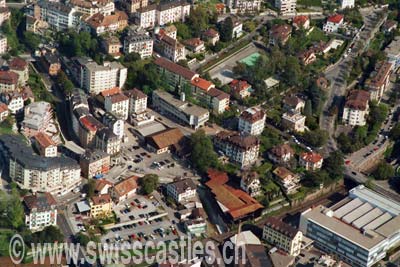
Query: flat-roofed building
[359, 230]
[180, 110]
[94, 162]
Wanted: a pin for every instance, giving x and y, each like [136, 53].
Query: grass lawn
[5, 129]
[5, 235]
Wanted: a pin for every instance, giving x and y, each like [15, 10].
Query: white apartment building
[117, 104]
[346, 4]
[240, 149]
[3, 44]
[250, 183]
[94, 162]
[45, 145]
[252, 121]
[379, 80]
[14, 101]
[393, 52]
[97, 78]
[171, 12]
[107, 141]
[140, 43]
[8, 81]
[114, 122]
[243, 6]
[294, 121]
[356, 108]
[311, 161]
[137, 101]
[182, 190]
[93, 7]
[145, 17]
[333, 23]
[55, 175]
[59, 16]
[170, 48]
[283, 236]
[288, 180]
[286, 7]
[41, 211]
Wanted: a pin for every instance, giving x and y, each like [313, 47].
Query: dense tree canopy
[149, 183]
[384, 171]
[203, 155]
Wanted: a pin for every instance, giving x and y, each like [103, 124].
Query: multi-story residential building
[102, 186]
[359, 230]
[95, 78]
[133, 5]
[108, 142]
[14, 102]
[294, 121]
[240, 149]
[211, 36]
[91, 7]
[40, 211]
[288, 180]
[140, 43]
[100, 206]
[333, 23]
[182, 190]
[3, 111]
[3, 43]
[112, 46]
[281, 154]
[379, 80]
[301, 22]
[250, 183]
[180, 110]
[114, 122]
[37, 118]
[19, 66]
[137, 101]
[78, 108]
[173, 11]
[117, 104]
[252, 121]
[145, 17]
[286, 7]
[356, 108]
[45, 145]
[311, 161]
[196, 227]
[205, 91]
[237, 29]
[125, 189]
[58, 16]
[56, 175]
[101, 24]
[283, 236]
[194, 45]
[170, 48]
[244, 6]
[240, 89]
[88, 127]
[346, 4]
[307, 57]
[279, 34]
[175, 75]
[293, 103]
[4, 12]
[8, 81]
[393, 52]
[94, 162]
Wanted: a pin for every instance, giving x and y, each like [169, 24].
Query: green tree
[49, 234]
[334, 165]
[198, 20]
[316, 138]
[395, 132]
[183, 30]
[308, 108]
[384, 171]
[31, 40]
[89, 188]
[15, 211]
[202, 155]
[149, 183]
[226, 30]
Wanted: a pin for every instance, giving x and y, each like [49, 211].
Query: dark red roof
[8, 77]
[175, 68]
[17, 64]
[337, 18]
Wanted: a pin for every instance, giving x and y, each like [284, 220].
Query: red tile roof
[3, 107]
[239, 85]
[118, 98]
[300, 20]
[126, 186]
[101, 183]
[237, 202]
[101, 199]
[281, 150]
[111, 91]
[175, 68]
[90, 123]
[337, 18]
[202, 84]
[211, 33]
[193, 42]
[311, 157]
[17, 64]
[44, 140]
[214, 92]
[357, 99]
[252, 115]
[281, 227]
[135, 94]
[8, 77]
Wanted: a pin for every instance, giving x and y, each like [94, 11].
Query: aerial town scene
[200, 133]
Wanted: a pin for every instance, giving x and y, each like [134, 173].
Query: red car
[141, 223]
[133, 204]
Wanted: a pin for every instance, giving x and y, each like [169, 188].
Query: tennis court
[251, 60]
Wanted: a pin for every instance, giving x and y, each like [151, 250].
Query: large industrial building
[359, 230]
